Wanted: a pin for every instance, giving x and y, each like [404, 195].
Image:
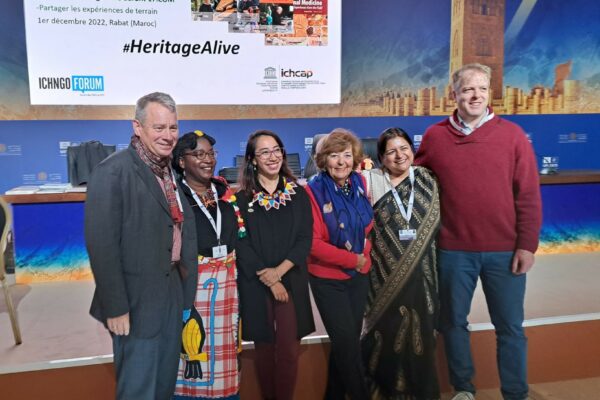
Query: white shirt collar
[466, 129]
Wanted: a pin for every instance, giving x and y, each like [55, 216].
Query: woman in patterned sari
[208, 368]
[399, 332]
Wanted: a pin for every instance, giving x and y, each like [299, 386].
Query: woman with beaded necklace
[209, 370]
[273, 280]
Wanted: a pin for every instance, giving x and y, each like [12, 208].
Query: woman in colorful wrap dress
[208, 368]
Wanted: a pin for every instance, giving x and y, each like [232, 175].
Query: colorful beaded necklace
[280, 196]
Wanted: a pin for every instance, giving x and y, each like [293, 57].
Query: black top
[207, 237]
[272, 236]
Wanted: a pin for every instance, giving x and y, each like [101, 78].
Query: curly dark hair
[188, 141]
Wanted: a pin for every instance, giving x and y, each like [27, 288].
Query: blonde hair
[338, 140]
[458, 75]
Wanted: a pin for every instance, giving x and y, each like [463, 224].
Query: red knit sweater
[325, 259]
[489, 186]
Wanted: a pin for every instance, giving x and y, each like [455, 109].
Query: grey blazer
[129, 235]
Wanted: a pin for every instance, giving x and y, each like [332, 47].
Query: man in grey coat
[141, 242]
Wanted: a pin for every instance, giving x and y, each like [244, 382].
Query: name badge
[407, 234]
[219, 251]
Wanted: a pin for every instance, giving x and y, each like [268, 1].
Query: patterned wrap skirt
[210, 369]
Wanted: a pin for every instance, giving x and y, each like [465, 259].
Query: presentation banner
[109, 52]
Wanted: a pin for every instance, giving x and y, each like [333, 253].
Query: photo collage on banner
[206, 52]
[284, 22]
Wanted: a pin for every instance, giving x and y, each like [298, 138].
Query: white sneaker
[464, 396]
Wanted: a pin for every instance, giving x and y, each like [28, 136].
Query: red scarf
[160, 168]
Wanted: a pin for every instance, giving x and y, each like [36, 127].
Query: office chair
[310, 168]
[229, 173]
[5, 224]
[293, 161]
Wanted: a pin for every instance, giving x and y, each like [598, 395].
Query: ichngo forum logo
[75, 83]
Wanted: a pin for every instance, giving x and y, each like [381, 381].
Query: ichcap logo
[290, 73]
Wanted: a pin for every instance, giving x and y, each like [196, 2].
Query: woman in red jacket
[339, 258]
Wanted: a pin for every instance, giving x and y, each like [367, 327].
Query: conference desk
[48, 237]
[573, 176]
[49, 243]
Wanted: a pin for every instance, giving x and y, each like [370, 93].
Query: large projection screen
[107, 52]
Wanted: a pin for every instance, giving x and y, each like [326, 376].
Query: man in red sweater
[491, 217]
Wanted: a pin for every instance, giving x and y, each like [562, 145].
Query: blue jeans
[504, 294]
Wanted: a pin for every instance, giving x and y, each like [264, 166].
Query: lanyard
[406, 213]
[175, 189]
[216, 226]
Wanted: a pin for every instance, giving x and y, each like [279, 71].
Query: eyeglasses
[266, 154]
[201, 155]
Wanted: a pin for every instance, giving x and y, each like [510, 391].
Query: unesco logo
[270, 73]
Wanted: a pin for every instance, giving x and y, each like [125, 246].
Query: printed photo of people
[245, 19]
[283, 22]
[213, 10]
[309, 30]
[277, 17]
[310, 27]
